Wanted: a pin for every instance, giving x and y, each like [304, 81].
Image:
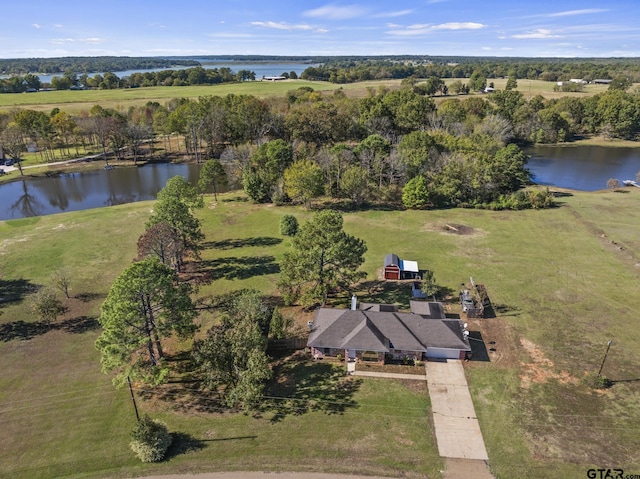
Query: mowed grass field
[76, 101]
[563, 282]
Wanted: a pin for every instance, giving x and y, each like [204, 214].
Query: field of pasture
[74, 102]
[563, 282]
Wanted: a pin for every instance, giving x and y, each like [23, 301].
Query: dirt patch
[540, 370]
[465, 468]
[499, 339]
[452, 229]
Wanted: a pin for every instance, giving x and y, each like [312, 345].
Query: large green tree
[232, 357]
[266, 169]
[415, 194]
[144, 306]
[178, 187]
[323, 259]
[213, 177]
[354, 184]
[170, 209]
[303, 181]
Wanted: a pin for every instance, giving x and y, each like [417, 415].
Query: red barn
[391, 266]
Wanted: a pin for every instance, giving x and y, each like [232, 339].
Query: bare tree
[61, 279]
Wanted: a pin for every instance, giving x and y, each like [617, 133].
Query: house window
[370, 356]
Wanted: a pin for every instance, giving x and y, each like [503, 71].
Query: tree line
[467, 148]
[21, 66]
[351, 70]
[111, 81]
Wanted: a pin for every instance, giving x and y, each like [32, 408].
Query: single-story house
[396, 268]
[369, 335]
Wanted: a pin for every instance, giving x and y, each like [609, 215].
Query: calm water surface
[81, 191]
[578, 167]
[585, 168]
[259, 68]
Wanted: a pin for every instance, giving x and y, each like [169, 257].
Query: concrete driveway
[454, 417]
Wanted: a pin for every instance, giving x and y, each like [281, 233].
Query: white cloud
[459, 26]
[334, 12]
[62, 41]
[423, 29]
[399, 13]
[539, 33]
[35, 25]
[571, 13]
[282, 26]
[58, 25]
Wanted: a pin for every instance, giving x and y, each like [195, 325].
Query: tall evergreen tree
[323, 259]
[144, 306]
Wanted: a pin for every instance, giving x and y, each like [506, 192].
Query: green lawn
[563, 281]
[76, 101]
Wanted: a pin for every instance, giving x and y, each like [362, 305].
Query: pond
[80, 191]
[576, 167]
[585, 168]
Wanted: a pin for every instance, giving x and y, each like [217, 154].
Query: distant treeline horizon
[334, 69]
[92, 64]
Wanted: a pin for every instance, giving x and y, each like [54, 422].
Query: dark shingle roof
[427, 309]
[379, 331]
[391, 259]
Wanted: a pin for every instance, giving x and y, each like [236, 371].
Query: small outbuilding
[391, 266]
[396, 268]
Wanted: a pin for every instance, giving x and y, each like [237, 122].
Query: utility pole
[605, 357]
[133, 398]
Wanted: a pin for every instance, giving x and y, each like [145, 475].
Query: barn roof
[391, 260]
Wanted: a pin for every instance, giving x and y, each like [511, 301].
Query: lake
[585, 168]
[259, 68]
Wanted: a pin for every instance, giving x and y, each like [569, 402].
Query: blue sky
[538, 28]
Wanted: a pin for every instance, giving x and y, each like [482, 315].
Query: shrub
[339, 357]
[150, 439]
[595, 381]
[279, 325]
[288, 225]
[46, 306]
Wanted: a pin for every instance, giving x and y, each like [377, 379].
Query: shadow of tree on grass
[300, 386]
[386, 292]
[243, 242]
[183, 443]
[24, 331]
[239, 267]
[15, 289]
